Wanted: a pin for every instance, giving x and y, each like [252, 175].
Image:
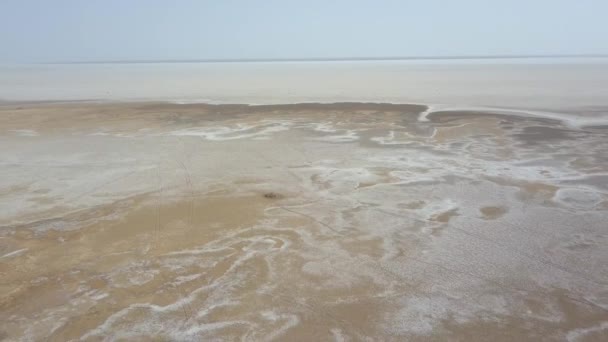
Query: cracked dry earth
[306, 222]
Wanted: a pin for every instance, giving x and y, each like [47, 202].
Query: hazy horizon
[74, 31]
[336, 59]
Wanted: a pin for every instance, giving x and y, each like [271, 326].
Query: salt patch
[13, 253]
[578, 198]
[25, 132]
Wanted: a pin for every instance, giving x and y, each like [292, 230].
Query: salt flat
[354, 221]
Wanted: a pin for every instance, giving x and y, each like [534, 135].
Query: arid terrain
[303, 222]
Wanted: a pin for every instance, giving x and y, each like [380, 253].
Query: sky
[80, 30]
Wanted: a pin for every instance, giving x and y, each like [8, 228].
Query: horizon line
[327, 59]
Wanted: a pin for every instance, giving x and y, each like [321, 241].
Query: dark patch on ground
[450, 116]
[273, 195]
[492, 212]
[538, 134]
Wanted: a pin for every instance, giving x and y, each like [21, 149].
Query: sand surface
[304, 222]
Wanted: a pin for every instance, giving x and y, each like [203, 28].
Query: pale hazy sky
[81, 30]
